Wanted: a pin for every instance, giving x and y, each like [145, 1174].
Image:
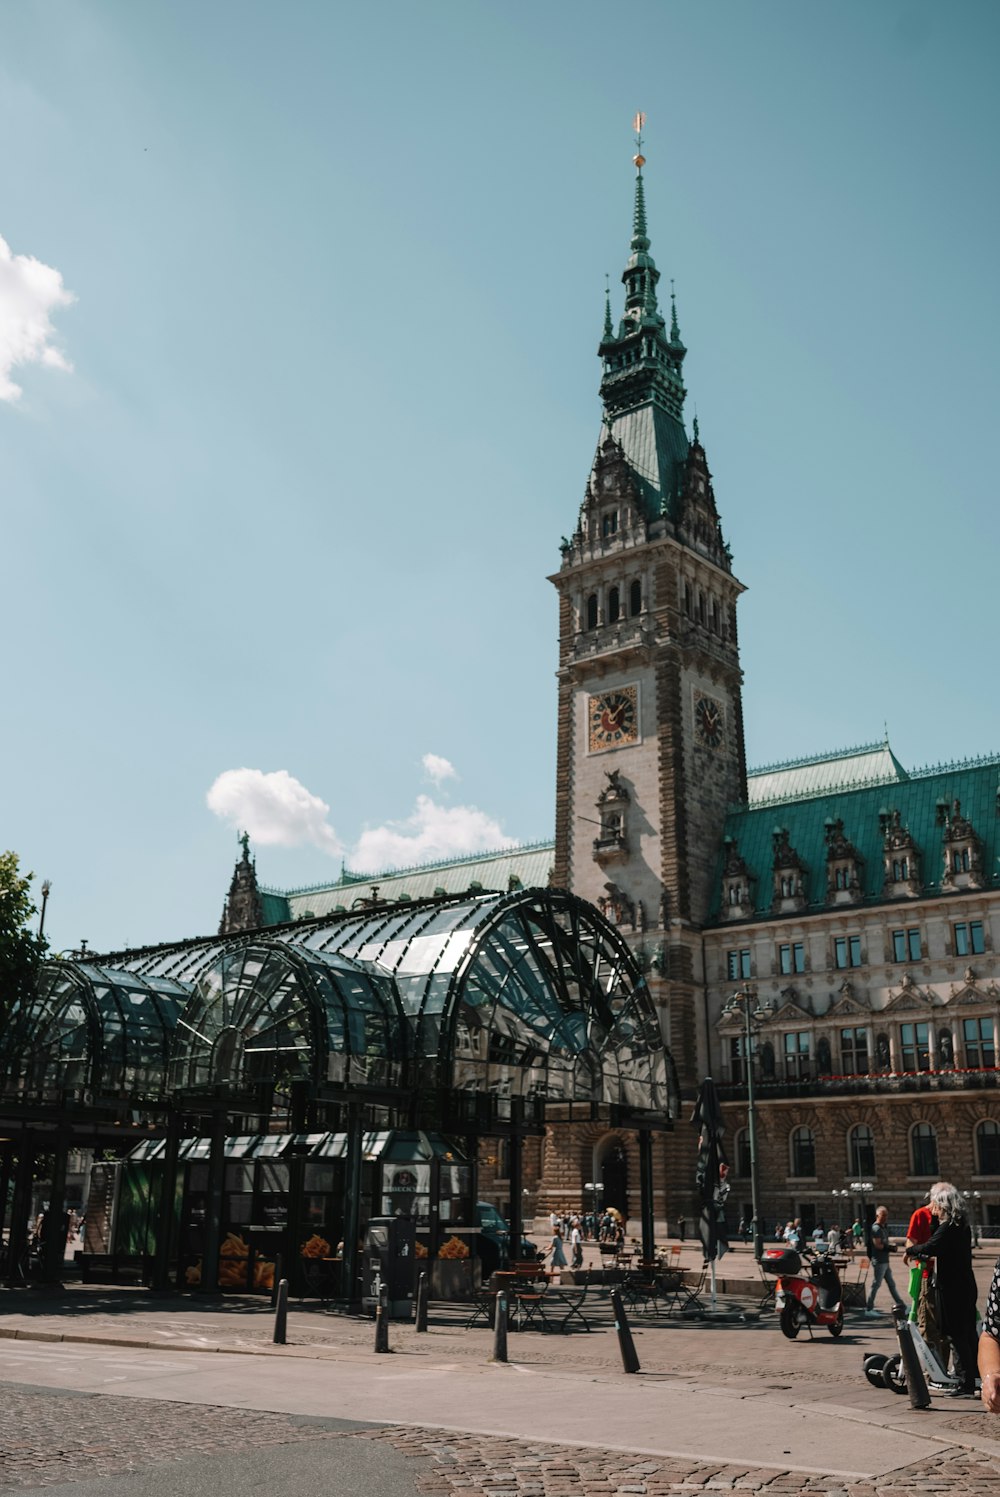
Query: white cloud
[274, 808]
[438, 769]
[29, 292]
[431, 833]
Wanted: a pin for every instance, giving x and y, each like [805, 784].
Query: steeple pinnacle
[609, 331]
[643, 389]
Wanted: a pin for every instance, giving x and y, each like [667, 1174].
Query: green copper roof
[916, 796]
[642, 389]
[530, 865]
[869, 764]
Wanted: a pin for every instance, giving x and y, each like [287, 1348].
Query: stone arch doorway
[611, 1169]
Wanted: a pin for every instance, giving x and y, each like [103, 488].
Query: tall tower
[650, 732]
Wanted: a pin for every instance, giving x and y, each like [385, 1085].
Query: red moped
[805, 1301]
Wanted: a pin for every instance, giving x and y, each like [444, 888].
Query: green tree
[20, 949]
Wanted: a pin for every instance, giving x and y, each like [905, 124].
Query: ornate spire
[609, 331]
[642, 364]
[675, 332]
[243, 909]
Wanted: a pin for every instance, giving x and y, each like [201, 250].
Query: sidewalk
[716, 1390]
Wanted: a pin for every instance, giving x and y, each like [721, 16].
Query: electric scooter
[802, 1301]
[889, 1372]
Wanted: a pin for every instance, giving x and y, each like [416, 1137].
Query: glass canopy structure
[532, 995]
[472, 1015]
[91, 1030]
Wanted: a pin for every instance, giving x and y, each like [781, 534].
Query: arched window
[688, 605]
[988, 1147]
[923, 1149]
[592, 611]
[635, 598]
[803, 1152]
[614, 605]
[742, 1152]
[861, 1147]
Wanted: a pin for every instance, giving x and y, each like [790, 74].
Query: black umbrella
[712, 1171]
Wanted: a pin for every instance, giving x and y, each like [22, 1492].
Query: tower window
[847, 951]
[738, 964]
[792, 958]
[797, 1061]
[614, 605]
[980, 1054]
[854, 1051]
[688, 606]
[900, 869]
[715, 618]
[701, 608]
[592, 611]
[906, 945]
[915, 1042]
[635, 598]
[924, 1149]
[969, 938]
[609, 523]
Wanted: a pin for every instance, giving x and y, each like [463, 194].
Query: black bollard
[916, 1385]
[382, 1321]
[630, 1362]
[500, 1327]
[277, 1280]
[281, 1313]
[420, 1303]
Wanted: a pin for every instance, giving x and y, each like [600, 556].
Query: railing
[866, 1086]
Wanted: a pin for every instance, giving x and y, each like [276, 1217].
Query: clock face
[709, 721]
[613, 718]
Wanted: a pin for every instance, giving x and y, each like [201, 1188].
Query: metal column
[646, 1194]
[213, 1211]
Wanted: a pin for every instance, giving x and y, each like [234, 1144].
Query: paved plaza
[136, 1393]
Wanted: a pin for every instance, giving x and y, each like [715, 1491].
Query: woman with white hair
[951, 1244]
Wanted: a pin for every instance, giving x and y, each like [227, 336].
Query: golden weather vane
[638, 122]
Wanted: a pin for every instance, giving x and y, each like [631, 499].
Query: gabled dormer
[962, 849]
[790, 876]
[900, 858]
[845, 867]
[737, 884]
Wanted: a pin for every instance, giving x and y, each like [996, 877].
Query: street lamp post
[46, 890]
[973, 1197]
[745, 1002]
[862, 1189]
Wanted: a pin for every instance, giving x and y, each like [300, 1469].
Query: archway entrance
[614, 1178]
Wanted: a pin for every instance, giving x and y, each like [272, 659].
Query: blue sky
[331, 400]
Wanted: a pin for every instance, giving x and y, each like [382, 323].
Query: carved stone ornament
[616, 906]
[611, 845]
[962, 851]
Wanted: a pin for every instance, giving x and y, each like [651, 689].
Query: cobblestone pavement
[477, 1466]
[47, 1438]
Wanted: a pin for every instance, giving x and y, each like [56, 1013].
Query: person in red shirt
[923, 1304]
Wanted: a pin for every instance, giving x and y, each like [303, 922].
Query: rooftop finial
[637, 124]
[639, 237]
[675, 332]
[608, 329]
[694, 425]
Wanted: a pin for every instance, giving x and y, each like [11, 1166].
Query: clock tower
[650, 731]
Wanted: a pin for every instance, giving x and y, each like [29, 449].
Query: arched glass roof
[268, 1011]
[91, 1027]
[524, 994]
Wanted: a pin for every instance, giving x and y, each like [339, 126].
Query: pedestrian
[951, 1245]
[576, 1243]
[989, 1347]
[557, 1251]
[857, 1233]
[681, 1227]
[743, 1230]
[833, 1239]
[879, 1248]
